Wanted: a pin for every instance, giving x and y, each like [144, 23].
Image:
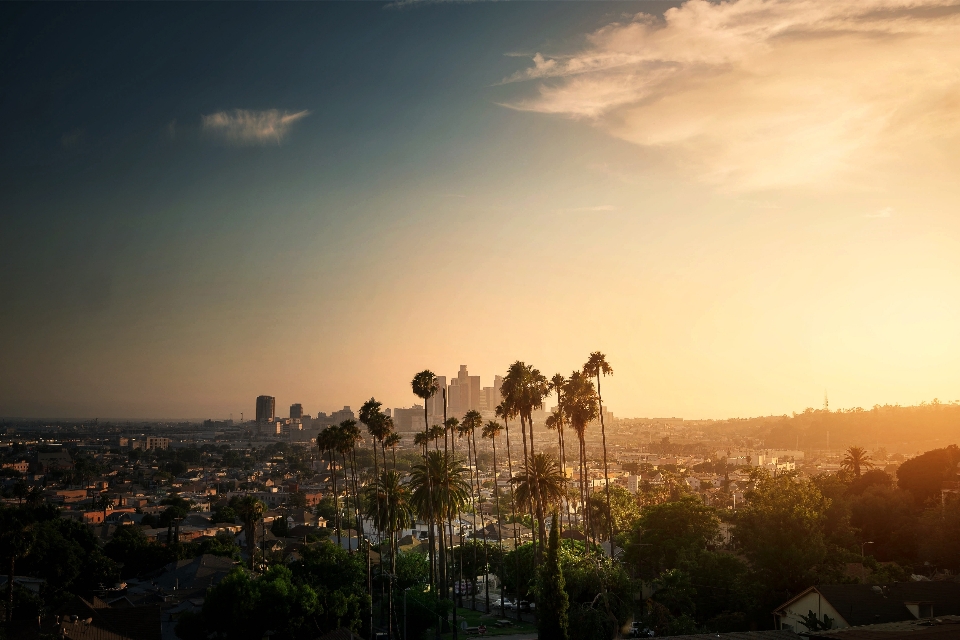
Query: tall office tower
[463, 394]
[435, 403]
[266, 408]
[296, 411]
[497, 396]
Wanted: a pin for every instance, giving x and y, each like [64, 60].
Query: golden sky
[743, 204]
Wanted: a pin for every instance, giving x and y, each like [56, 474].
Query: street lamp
[861, 550]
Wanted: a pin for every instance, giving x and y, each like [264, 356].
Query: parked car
[525, 606]
[508, 604]
[637, 630]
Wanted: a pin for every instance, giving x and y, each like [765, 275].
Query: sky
[745, 205]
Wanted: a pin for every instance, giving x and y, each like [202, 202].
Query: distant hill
[903, 429]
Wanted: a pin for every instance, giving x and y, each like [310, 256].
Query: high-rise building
[296, 411]
[266, 408]
[435, 403]
[463, 394]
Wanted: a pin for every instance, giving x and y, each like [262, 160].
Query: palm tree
[388, 500]
[378, 427]
[581, 402]
[425, 385]
[544, 473]
[595, 367]
[557, 421]
[504, 412]
[492, 430]
[348, 436]
[392, 441]
[422, 440]
[523, 390]
[436, 432]
[439, 490]
[856, 459]
[327, 441]
[250, 510]
[472, 420]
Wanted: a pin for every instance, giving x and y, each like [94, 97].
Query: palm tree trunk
[473, 580]
[343, 457]
[584, 512]
[526, 471]
[606, 471]
[431, 538]
[486, 554]
[336, 496]
[541, 520]
[513, 503]
[496, 496]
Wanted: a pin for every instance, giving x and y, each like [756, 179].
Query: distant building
[155, 442]
[296, 411]
[409, 420]
[266, 408]
[463, 393]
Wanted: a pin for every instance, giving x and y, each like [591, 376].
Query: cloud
[886, 212]
[754, 94]
[245, 127]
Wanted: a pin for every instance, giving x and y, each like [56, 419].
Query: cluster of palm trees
[441, 487]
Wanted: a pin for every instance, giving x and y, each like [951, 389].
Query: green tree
[623, 506]
[668, 532]
[552, 599]
[922, 476]
[780, 530]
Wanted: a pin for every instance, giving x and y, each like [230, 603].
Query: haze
[743, 205]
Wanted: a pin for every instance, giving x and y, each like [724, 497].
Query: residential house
[848, 605]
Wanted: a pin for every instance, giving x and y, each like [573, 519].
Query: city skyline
[742, 204]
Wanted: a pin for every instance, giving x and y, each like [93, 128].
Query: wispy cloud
[753, 94]
[242, 126]
[886, 212]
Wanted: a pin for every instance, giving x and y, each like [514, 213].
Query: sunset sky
[743, 204]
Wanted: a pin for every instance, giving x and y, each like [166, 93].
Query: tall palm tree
[557, 421]
[327, 442]
[523, 390]
[855, 460]
[544, 473]
[436, 432]
[425, 385]
[504, 411]
[597, 367]
[422, 440]
[581, 402]
[472, 420]
[392, 441]
[388, 500]
[250, 511]
[349, 436]
[492, 430]
[439, 488]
